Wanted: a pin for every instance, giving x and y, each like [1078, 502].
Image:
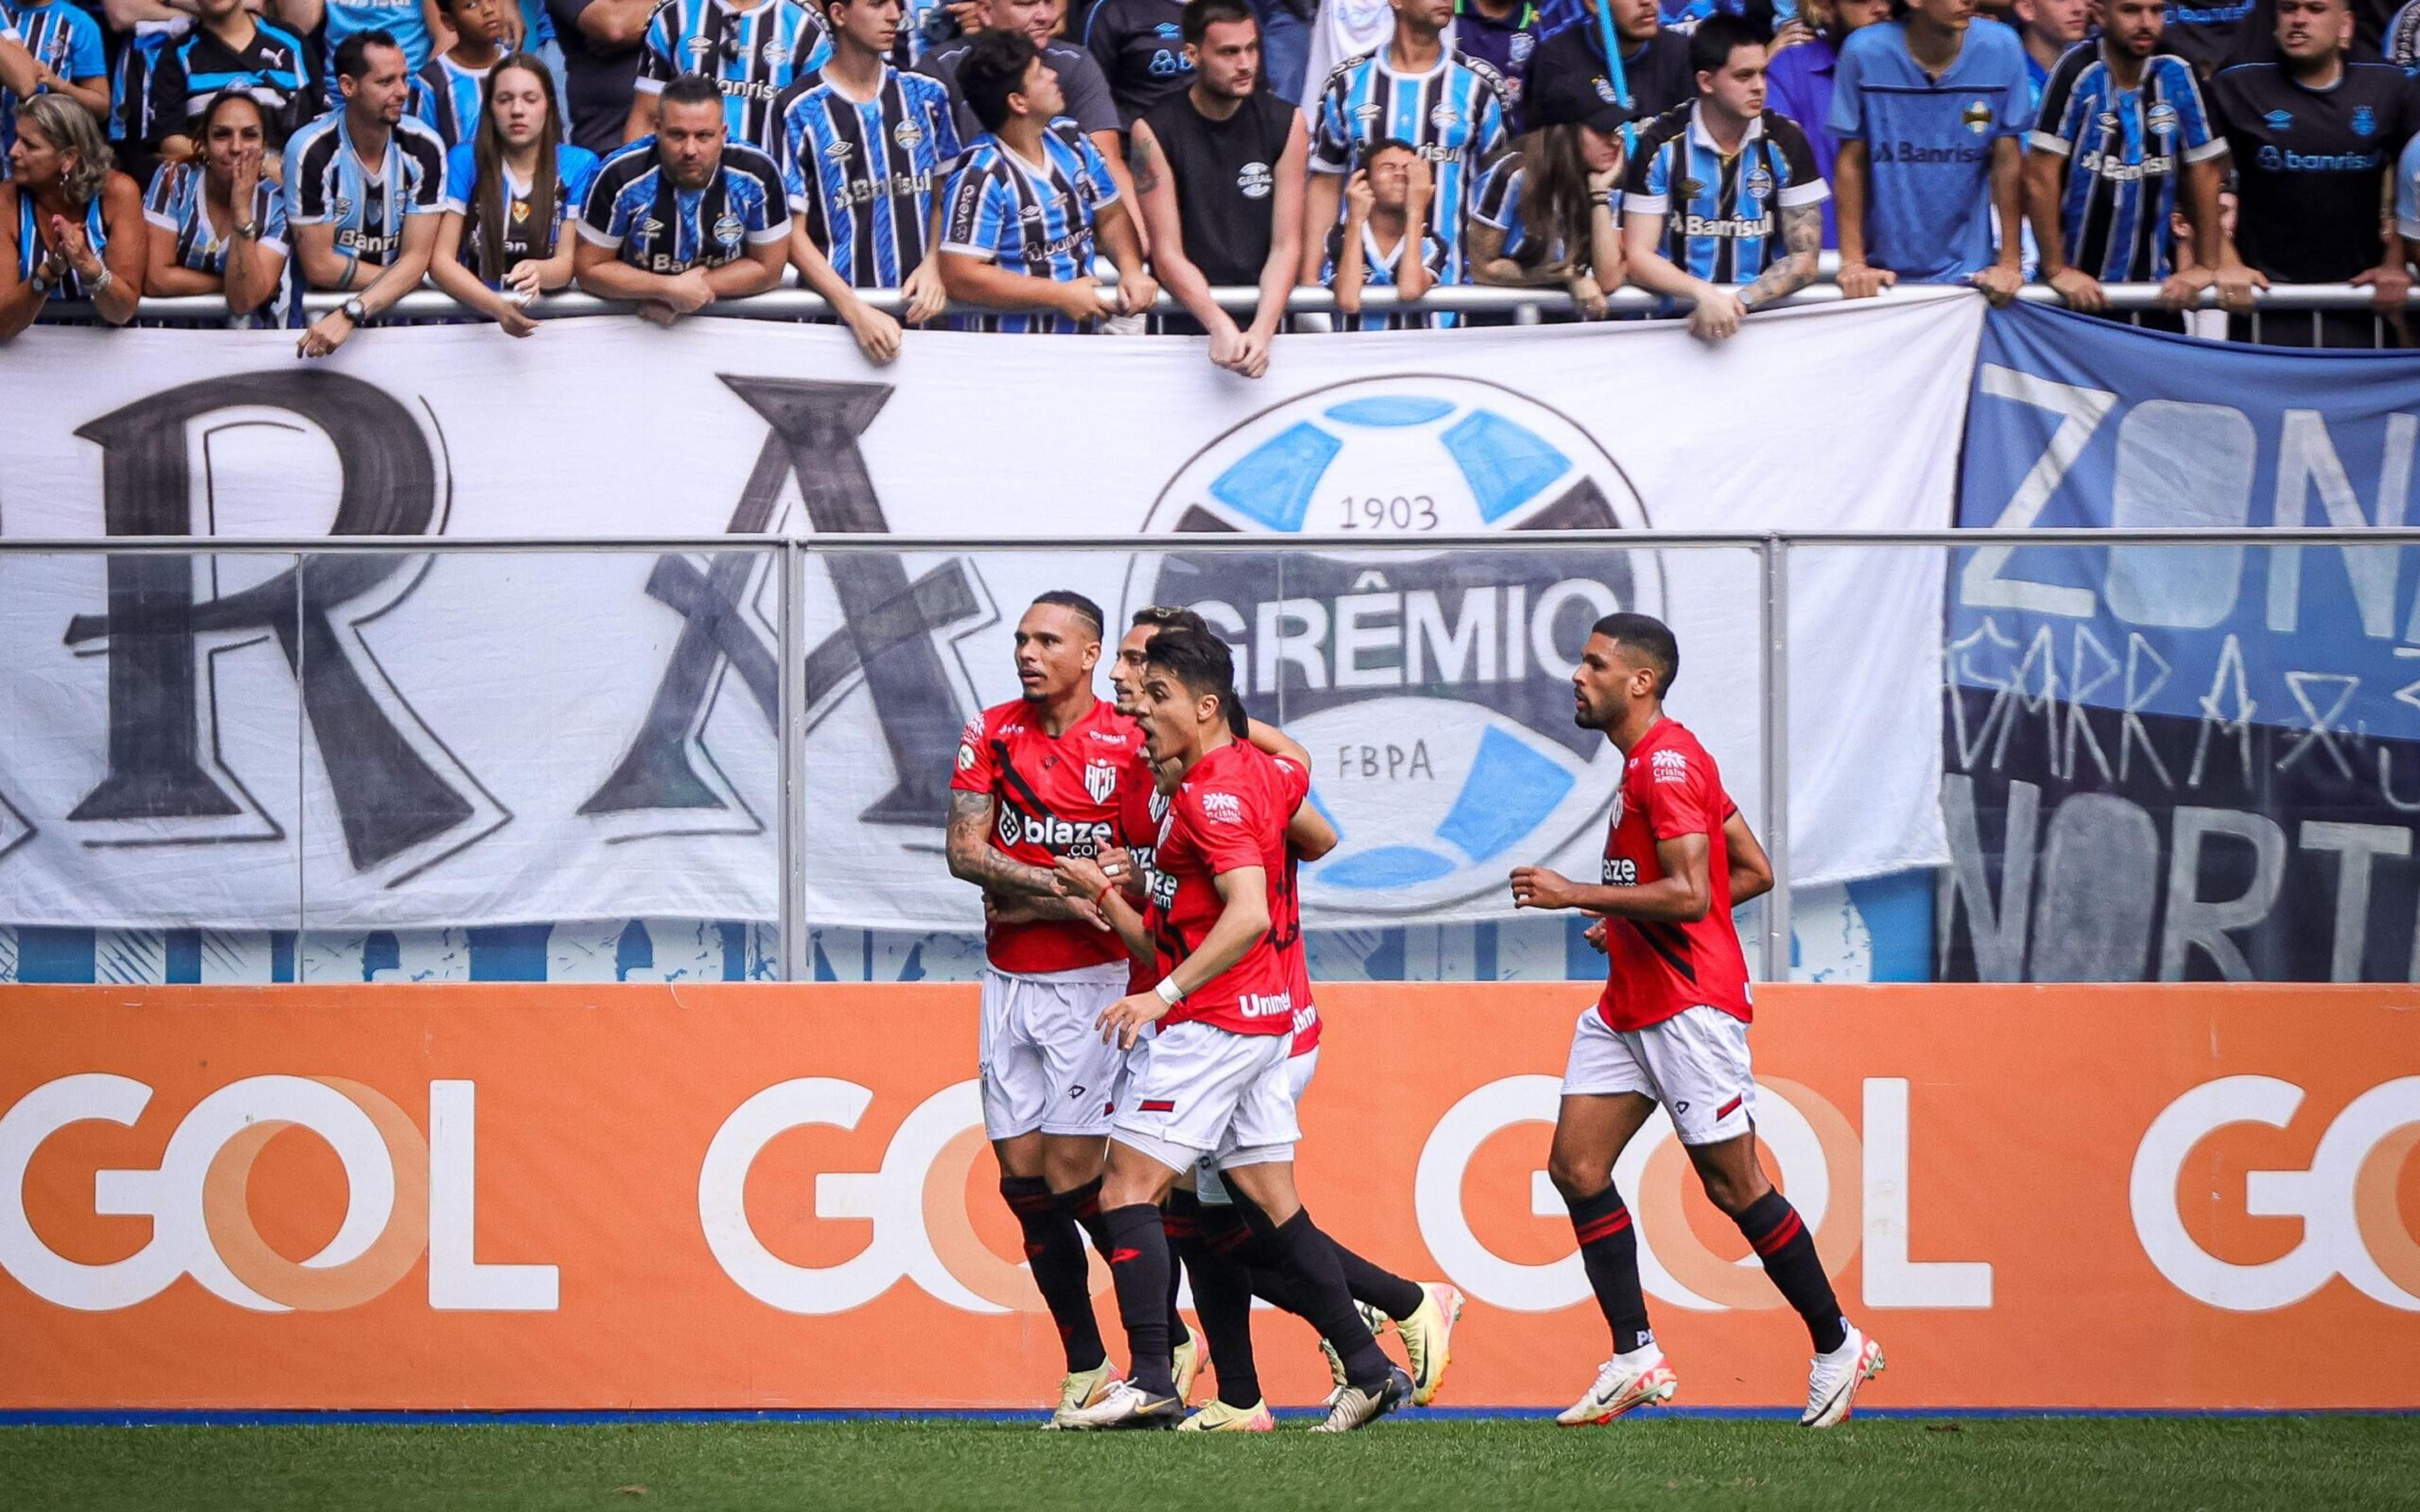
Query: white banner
[393, 741]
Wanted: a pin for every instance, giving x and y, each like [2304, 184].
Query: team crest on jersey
[771, 53]
[1445, 117]
[1523, 45]
[2364, 122]
[521, 212]
[908, 135]
[966, 758]
[1976, 117]
[1254, 181]
[1604, 90]
[1158, 807]
[2161, 117]
[1619, 808]
[1758, 184]
[728, 230]
[1670, 765]
[1100, 781]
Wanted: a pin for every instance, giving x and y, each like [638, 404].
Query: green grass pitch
[2296, 1464]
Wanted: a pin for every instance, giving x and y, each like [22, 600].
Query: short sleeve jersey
[1051, 796]
[2310, 165]
[273, 68]
[325, 184]
[1028, 218]
[1228, 813]
[1722, 215]
[1378, 268]
[1453, 115]
[752, 54]
[454, 97]
[2124, 149]
[1656, 970]
[1929, 145]
[862, 174]
[639, 211]
[176, 209]
[62, 38]
[530, 229]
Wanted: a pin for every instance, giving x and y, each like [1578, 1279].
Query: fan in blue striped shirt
[680, 218]
[751, 51]
[457, 79]
[219, 223]
[1028, 201]
[1723, 192]
[65, 45]
[2121, 122]
[1416, 89]
[864, 152]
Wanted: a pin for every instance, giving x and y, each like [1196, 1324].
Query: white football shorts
[1695, 1065]
[1197, 1091]
[1043, 1064]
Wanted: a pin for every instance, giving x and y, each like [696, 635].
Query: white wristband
[1169, 992]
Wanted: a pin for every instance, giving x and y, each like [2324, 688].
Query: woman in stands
[218, 224]
[1548, 215]
[70, 224]
[511, 194]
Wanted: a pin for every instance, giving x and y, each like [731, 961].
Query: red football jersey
[1230, 812]
[1051, 797]
[1142, 807]
[1656, 970]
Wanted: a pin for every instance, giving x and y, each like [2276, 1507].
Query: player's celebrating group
[1059, 800]
[1148, 1026]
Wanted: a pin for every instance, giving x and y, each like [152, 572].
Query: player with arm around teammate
[1221, 1237]
[1670, 1027]
[1210, 1078]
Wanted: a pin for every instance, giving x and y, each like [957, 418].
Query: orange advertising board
[657, 1196]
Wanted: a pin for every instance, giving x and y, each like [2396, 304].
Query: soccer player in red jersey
[1220, 1239]
[1670, 1027]
[1038, 778]
[1208, 1076]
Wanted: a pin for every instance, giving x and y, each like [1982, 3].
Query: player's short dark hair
[1167, 617]
[1197, 659]
[690, 89]
[353, 59]
[1083, 608]
[1650, 637]
[1718, 37]
[993, 69]
[1200, 15]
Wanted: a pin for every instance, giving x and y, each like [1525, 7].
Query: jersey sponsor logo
[838, 151]
[1670, 765]
[1976, 117]
[1222, 808]
[1618, 873]
[1167, 31]
[2108, 121]
[1604, 90]
[1726, 226]
[344, 206]
[1909, 152]
[1365, 114]
[2279, 120]
[700, 48]
[2110, 169]
[1254, 181]
[1266, 1005]
[2364, 122]
[1060, 836]
[1100, 781]
[1168, 65]
[1522, 45]
[2285, 160]
[1432, 688]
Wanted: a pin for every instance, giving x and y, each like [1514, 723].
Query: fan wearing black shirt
[2315, 139]
[1220, 169]
[1139, 45]
[1655, 62]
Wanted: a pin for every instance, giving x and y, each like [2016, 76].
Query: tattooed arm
[1802, 232]
[974, 857]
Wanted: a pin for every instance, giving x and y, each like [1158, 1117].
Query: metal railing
[1772, 551]
[1524, 305]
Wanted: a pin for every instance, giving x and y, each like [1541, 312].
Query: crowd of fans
[992, 154]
